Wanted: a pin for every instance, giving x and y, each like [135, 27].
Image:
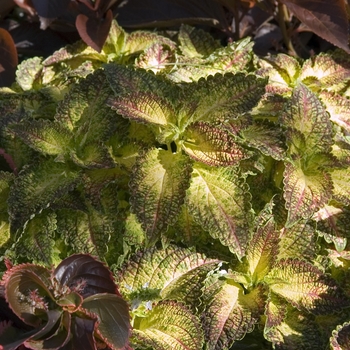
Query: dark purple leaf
[8, 58]
[83, 333]
[85, 275]
[328, 19]
[94, 31]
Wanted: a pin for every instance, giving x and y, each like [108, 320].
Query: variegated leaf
[329, 71]
[141, 96]
[340, 339]
[37, 187]
[219, 200]
[227, 316]
[158, 184]
[170, 325]
[212, 145]
[298, 241]
[267, 138]
[115, 42]
[196, 42]
[174, 272]
[297, 330]
[306, 287]
[224, 97]
[43, 135]
[275, 312]
[84, 110]
[263, 248]
[305, 191]
[306, 115]
[341, 185]
[338, 107]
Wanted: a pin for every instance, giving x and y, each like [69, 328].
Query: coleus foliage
[219, 168]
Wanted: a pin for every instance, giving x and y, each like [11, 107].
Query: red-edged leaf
[8, 58]
[328, 19]
[94, 31]
[85, 275]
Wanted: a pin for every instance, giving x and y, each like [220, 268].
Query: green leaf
[226, 317]
[275, 312]
[329, 71]
[29, 73]
[196, 42]
[305, 191]
[84, 110]
[219, 200]
[158, 184]
[340, 338]
[115, 42]
[37, 187]
[306, 287]
[44, 136]
[37, 240]
[224, 97]
[211, 145]
[306, 115]
[140, 95]
[113, 318]
[263, 248]
[170, 326]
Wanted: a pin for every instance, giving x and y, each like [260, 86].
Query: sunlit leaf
[212, 145]
[113, 318]
[305, 191]
[140, 95]
[158, 184]
[170, 326]
[115, 42]
[306, 287]
[219, 200]
[226, 317]
[224, 97]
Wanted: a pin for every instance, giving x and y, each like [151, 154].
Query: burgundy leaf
[94, 31]
[83, 334]
[85, 275]
[8, 58]
[328, 19]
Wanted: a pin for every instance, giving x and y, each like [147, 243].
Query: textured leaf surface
[305, 286]
[263, 248]
[113, 318]
[222, 97]
[307, 115]
[226, 318]
[326, 19]
[219, 200]
[171, 273]
[43, 135]
[84, 110]
[212, 145]
[38, 187]
[140, 95]
[305, 191]
[196, 42]
[341, 185]
[171, 326]
[158, 184]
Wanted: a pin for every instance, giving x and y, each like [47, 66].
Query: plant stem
[282, 18]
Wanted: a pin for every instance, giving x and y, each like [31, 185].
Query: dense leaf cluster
[213, 183]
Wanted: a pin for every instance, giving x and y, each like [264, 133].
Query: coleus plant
[222, 178]
[75, 305]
